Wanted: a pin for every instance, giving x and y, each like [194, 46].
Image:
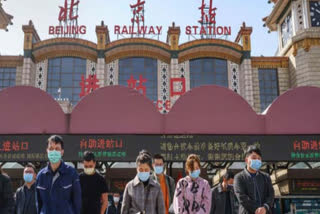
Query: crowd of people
[59, 189]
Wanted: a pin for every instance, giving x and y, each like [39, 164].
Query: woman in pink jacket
[193, 193]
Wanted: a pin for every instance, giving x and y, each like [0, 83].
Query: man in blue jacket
[58, 186]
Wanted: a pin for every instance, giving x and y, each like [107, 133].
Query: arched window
[140, 74]
[65, 73]
[208, 71]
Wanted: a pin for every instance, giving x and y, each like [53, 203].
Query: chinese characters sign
[161, 105]
[177, 81]
[14, 148]
[208, 22]
[103, 147]
[210, 17]
[88, 85]
[138, 26]
[124, 148]
[138, 12]
[68, 18]
[67, 12]
[306, 149]
[179, 147]
[132, 83]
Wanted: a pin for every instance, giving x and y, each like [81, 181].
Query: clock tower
[298, 26]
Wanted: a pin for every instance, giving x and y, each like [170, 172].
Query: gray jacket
[218, 199]
[245, 189]
[6, 195]
[23, 205]
[140, 199]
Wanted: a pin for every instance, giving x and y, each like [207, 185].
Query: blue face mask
[143, 176]
[255, 164]
[158, 170]
[28, 177]
[195, 173]
[54, 156]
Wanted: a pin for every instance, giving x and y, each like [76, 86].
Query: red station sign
[67, 15]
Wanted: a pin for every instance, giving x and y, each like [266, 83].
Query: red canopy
[120, 110]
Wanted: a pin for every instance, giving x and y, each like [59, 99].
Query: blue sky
[158, 12]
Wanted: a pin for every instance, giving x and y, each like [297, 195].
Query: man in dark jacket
[26, 195]
[115, 205]
[223, 197]
[252, 187]
[6, 194]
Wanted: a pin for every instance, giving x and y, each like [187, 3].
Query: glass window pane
[136, 68]
[208, 71]
[7, 77]
[65, 73]
[268, 84]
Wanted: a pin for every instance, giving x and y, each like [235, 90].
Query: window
[208, 71]
[65, 73]
[7, 77]
[268, 83]
[136, 69]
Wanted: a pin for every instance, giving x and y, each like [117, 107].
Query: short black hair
[57, 140]
[251, 149]
[89, 156]
[158, 156]
[144, 158]
[227, 175]
[30, 165]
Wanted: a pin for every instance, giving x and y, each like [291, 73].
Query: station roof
[120, 110]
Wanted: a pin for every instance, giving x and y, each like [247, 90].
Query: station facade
[69, 69]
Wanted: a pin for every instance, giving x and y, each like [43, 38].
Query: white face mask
[116, 199]
[89, 171]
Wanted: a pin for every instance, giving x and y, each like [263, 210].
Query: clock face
[286, 29]
[315, 13]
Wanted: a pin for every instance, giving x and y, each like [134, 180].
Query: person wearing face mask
[93, 186]
[58, 186]
[115, 206]
[223, 197]
[143, 194]
[252, 187]
[193, 193]
[167, 183]
[25, 196]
